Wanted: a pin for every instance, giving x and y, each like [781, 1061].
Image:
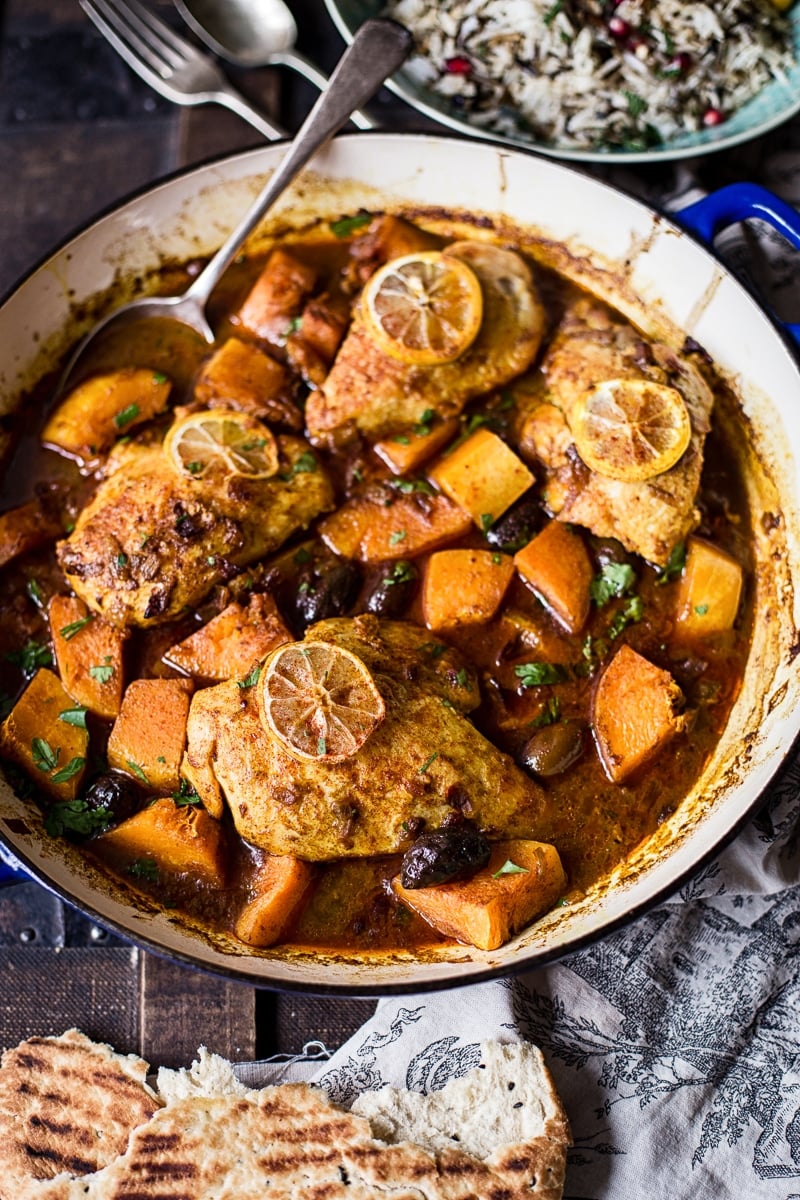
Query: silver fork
[168, 62]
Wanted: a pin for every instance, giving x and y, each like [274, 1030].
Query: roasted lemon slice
[424, 308]
[218, 442]
[319, 700]
[631, 429]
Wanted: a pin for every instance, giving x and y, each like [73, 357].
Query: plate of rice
[597, 80]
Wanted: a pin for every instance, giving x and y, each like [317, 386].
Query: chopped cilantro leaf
[126, 415]
[675, 565]
[553, 12]
[462, 678]
[301, 556]
[32, 656]
[428, 762]
[73, 768]
[636, 104]
[510, 868]
[629, 614]
[423, 426]
[136, 770]
[347, 225]
[487, 520]
[534, 674]
[45, 758]
[402, 572]
[407, 486]
[614, 580]
[75, 816]
[74, 716]
[435, 649]
[549, 714]
[306, 464]
[34, 591]
[101, 674]
[322, 746]
[185, 795]
[69, 631]
[701, 609]
[402, 440]
[251, 679]
[399, 535]
[144, 868]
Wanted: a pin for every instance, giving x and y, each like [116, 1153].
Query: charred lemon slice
[631, 429]
[424, 308]
[319, 701]
[218, 442]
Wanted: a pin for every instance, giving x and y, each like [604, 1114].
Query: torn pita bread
[67, 1104]
[214, 1138]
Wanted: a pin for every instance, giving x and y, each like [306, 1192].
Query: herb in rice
[626, 75]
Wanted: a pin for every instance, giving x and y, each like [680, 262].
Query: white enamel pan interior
[658, 275]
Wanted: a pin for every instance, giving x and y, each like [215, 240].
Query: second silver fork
[170, 63]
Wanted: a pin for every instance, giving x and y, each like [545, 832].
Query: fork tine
[125, 41]
[167, 36]
[145, 32]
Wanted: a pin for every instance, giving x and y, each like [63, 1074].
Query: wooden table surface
[78, 131]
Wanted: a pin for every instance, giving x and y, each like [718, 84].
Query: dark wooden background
[78, 131]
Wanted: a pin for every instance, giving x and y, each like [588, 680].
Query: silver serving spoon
[254, 33]
[378, 49]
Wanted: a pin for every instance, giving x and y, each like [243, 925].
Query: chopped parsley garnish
[31, 657]
[34, 591]
[251, 679]
[402, 440]
[322, 746]
[144, 868]
[101, 673]
[462, 678]
[69, 631]
[185, 795]
[614, 580]
[74, 716]
[534, 674]
[435, 649]
[549, 714]
[45, 758]
[75, 816]
[399, 535]
[423, 426]
[293, 327]
[301, 556]
[254, 444]
[629, 614]
[636, 104]
[136, 770]
[126, 415]
[402, 572]
[497, 560]
[428, 762]
[510, 868]
[407, 486]
[675, 565]
[159, 377]
[306, 464]
[487, 520]
[553, 12]
[73, 768]
[701, 609]
[194, 467]
[347, 225]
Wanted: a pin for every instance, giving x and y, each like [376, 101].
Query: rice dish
[625, 75]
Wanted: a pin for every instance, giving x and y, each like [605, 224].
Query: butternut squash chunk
[88, 655]
[177, 840]
[635, 712]
[709, 592]
[243, 377]
[231, 644]
[23, 529]
[149, 735]
[366, 528]
[407, 451]
[557, 566]
[279, 888]
[464, 587]
[522, 880]
[483, 476]
[50, 749]
[277, 296]
[98, 411]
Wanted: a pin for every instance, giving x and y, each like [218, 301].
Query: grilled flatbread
[291, 1143]
[67, 1104]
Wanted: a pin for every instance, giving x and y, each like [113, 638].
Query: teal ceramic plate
[771, 107]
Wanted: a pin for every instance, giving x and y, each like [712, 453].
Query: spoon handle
[303, 66]
[378, 49]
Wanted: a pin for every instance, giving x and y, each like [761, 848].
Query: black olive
[325, 591]
[392, 593]
[607, 551]
[114, 793]
[447, 854]
[517, 526]
[554, 749]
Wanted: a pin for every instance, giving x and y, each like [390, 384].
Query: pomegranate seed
[681, 62]
[618, 27]
[458, 66]
[712, 117]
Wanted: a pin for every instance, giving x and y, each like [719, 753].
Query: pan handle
[738, 202]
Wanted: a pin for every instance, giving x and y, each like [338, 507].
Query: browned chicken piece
[423, 765]
[369, 391]
[241, 376]
[24, 528]
[386, 237]
[152, 542]
[649, 517]
[313, 347]
[277, 297]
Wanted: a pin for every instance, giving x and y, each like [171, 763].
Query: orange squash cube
[557, 566]
[482, 476]
[709, 592]
[51, 750]
[241, 376]
[149, 735]
[464, 587]
[635, 712]
[372, 531]
[104, 407]
[279, 888]
[406, 451]
[231, 644]
[176, 839]
[522, 880]
[88, 655]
